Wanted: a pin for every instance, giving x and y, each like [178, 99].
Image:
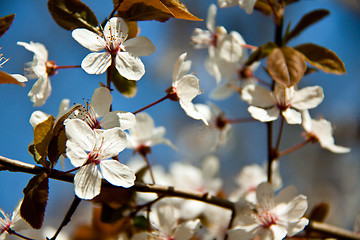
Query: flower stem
[64, 67]
[75, 203]
[115, 9]
[300, 145]
[149, 167]
[152, 104]
[248, 46]
[280, 133]
[10, 231]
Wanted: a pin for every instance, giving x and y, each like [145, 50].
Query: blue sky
[339, 32]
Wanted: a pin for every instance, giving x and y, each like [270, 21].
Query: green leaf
[5, 23]
[124, 86]
[35, 199]
[57, 145]
[43, 133]
[71, 14]
[262, 52]
[286, 66]
[7, 78]
[306, 21]
[322, 58]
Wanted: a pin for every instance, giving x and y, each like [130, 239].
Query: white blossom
[266, 105]
[247, 5]
[97, 113]
[145, 135]
[185, 87]
[271, 218]
[12, 222]
[41, 69]
[165, 224]
[320, 130]
[88, 149]
[114, 41]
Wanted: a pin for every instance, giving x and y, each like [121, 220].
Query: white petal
[192, 112]
[294, 210]
[187, 229]
[306, 120]
[292, 116]
[40, 91]
[77, 155]
[37, 48]
[89, 39]
[117, 174]
[211, 65]
[187, 87]
[294, 228]
[139, 46]
[221, 92]
[265, 195]
[112, 141]
[78, 132]
[17, 222]
[38, 117]
[167, 217]
[181, 68]
[230, 48]
[227, 3]
[258, 96]
[242, 232]
[144, 127]
[101, 101]
[19, 77]
[204, 110]
[307, 98]
[278, 232]
[323, 130]
[123, 120]
[129, 66]
[264, 115]
[116, 27]
[87, 182]
[210, 22]
[248, 5]
[96, 63]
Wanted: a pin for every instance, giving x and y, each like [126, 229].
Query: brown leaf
[43, 133]
[7, 78]
[57, 145]
[159, 10]
[35, 199]
[260, 53]
[71, 14]
[286, 66]
[5, 23]
[319, 212]
[322, 58]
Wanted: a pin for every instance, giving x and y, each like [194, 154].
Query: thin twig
[75, 203]
[152, 104]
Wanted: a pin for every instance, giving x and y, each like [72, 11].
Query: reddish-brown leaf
[286, 66]
[7, 78]
[5, 23]
[35, 199]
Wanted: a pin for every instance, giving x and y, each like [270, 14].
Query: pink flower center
[266, 218]
[93, 157]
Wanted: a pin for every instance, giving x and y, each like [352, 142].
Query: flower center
[266, 218]
[93, 157]
[114, 41]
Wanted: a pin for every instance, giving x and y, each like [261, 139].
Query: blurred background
[317, 173]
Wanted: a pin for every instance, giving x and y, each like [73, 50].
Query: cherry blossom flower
[266, 105]
[222, 47]
[250, 177]
[144, 135]
[320, 130]
[97, 114]
[188, 177]
[11, 223]
[165, 223]
[217, 123]
[272, 217]
[247, 5]
[41, 69]
[87, 149]
[185, 87]
[114, 41]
